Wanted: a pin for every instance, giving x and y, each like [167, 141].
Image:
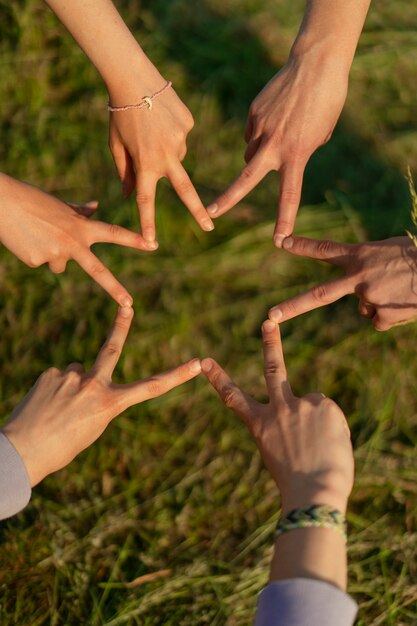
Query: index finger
[102, 276]
[111, 350]
[321, 249]
[312, 299]
[233, 397]
[100, 232]
[142, 390]
[289, 199]
[249, 177]
[275, 371]
[186, 191]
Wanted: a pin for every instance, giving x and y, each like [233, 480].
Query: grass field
[177, 483]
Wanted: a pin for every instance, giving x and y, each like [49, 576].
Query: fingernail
[126, 301]
[269, 326]
[278, 239]
[195, 366]
[208, 225]
[275, 315]
[152, 245]
[206, 365]
[126, 311]
[288, 243]
[212, 209]
[150, 239]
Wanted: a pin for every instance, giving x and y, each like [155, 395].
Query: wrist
[322, 52]
[305, 495]
[140, 79]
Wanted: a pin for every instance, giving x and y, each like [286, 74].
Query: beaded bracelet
[317, 515]
[146, 101]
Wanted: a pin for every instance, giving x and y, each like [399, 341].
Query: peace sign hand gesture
[65, 412]
[381, 273]
[304, 442]
[38, 228]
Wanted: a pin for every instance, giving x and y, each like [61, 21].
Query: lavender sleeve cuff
[15, 490]
[304, 602]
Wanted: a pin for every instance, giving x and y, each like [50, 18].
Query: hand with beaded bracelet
[305, 444]
[149, 123]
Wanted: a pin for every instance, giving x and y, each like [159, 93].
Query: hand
[304, 442]
[65, 412]
[291, 117]
[39, 228]
[149, 144]
[381, 273]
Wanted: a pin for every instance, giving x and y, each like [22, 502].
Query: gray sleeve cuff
[304, 602]
[15, 490]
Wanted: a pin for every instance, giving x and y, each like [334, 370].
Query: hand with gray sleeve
[305, 445]
[65, 412]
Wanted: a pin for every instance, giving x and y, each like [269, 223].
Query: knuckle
[325, 247]
[229, 395]
[143, 198]
[290, 195]
[319, 293]
[112, 349]
[96, 269]
[184, 186]
[271, 369]
[154, 387]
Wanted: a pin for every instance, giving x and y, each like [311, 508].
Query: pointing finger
[323, 250]
[186, 191]
[233, 397]
[112, 233]
[157, 385]
[275, 371]
[145, 199]
[289, 200]
[312, 299]
[111, 350]
[102, 276]
[249, 177]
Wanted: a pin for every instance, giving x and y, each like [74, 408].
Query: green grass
[177, 483]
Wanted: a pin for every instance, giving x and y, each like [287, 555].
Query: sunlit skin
[65, 412]
[38, 228]
[298, 109]
[383, 274]
[305, 445]
[146, 144]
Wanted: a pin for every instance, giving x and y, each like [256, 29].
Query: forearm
[331, 28]
[101, 32]
[318, 553]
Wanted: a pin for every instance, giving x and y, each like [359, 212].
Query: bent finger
[187, 193]
[102, 276]
[233, 397]
[157, 385]
[312, 299]
[275, 372]
[249, 177]
[321, 249]
[289, 199]
[111, 350]
[113, 233]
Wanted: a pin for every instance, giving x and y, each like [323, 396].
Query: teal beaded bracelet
[317, 515]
